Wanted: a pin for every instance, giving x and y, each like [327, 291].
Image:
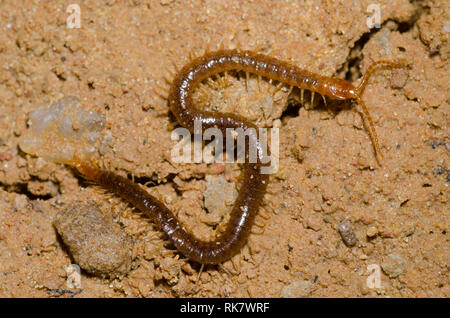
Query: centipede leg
[290, 90]
[161, 95]
[234, 272]
[263, 224]
[264, 214]
[191, 54]
[236, 268]
[167, 80]
[210, 82]
[247, 77]
[278, 88]
[175, 66]
[260, 227]
[148, 183]
[324, 100]
[200, 272]
[222, 44]
[160, 87]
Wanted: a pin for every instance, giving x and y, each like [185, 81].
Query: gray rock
[393, 265]
[347, 234]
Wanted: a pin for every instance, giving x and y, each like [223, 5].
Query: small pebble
[399, 78]
[372, 231]
[363, 287]
[7, 156]
[97, 244]
[347, 234]
[297, 289]
[314, 222]
[393, 265]
[21, 202]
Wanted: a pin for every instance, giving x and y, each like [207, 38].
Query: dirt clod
[97, 244]
[372, 231]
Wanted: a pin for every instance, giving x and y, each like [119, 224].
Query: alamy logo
[230, 149]
[74, 19]
[373, 281]
[374, 21]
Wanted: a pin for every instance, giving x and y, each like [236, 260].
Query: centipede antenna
[359, 89]
[374, 67]
[371, 130]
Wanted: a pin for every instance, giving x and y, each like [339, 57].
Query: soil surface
[332, 222]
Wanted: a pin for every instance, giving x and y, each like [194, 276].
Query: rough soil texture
[330, 212]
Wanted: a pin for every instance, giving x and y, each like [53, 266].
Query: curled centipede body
[254, 182]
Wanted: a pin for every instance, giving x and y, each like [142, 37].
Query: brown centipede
[253, 181]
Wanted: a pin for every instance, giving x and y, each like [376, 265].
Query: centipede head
[339, 89]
